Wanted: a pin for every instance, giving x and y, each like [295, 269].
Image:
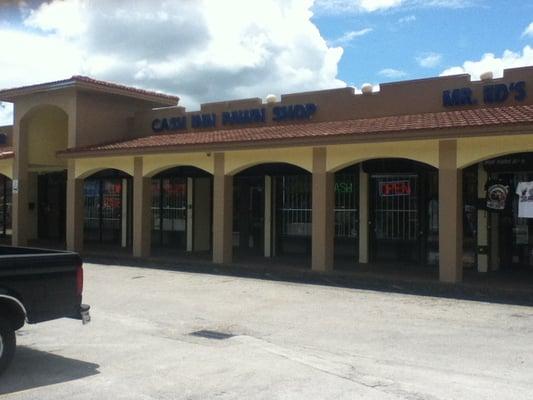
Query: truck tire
[8, 342]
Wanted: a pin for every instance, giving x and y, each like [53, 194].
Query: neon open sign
[395, 188]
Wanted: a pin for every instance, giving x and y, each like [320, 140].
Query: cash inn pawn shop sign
[288, 113]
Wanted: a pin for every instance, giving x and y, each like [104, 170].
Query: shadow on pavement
[392, 283]
[34, 368]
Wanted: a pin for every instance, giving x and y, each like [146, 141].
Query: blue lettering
[496, 93]
[196, 121]
[520, 90]
[458, 97]
[488, 94]
[293, 112]
[243, 116]
[501, 93]
[178, 123]
[310, 109]
[209, 120]
[226, 118]
[156, 125]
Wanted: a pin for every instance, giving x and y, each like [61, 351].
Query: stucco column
[450, 214]
[363, 216]
[222, 213]
[75, 201]
[19, 217]
[482, 223]
[323, 213]
[142, 209]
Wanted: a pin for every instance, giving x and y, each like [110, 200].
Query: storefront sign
[203, 121]
[169, 124]
[492, 94]
[254, 115]
[293, 112]
[510, 163]
[343, 187]
[395, 188]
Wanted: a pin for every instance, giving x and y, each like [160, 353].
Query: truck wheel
[8, 343]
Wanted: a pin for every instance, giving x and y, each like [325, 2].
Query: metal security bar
[295, 206]
[395, 207]
[169, 209]
[111, 210]
[5, 206]
[103, 210]
[92, 210]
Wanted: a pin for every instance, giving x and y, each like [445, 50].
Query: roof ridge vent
[367, 88]
[486, 76]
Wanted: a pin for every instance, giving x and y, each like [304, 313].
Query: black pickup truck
[37, 285]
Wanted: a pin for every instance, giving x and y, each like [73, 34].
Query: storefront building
[434, 173]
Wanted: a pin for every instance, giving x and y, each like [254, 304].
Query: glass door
[395, 219]
[249, 214]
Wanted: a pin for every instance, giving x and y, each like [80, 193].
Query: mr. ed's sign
[492, 94]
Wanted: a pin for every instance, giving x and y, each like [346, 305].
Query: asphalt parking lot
[286, 341]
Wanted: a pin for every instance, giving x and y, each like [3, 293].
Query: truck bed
[44, 281]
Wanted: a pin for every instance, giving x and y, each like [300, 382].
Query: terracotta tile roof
[485, 117]
[6, 152]
[92, 82]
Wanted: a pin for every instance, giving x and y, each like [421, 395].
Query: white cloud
[350, 36]
[198, 50]
[489, 62]
[341, 6]
[6, 114]
[528, 31]
[429, 60]
[359, 6]
[392, 73]
[64, 18]
[407, 19]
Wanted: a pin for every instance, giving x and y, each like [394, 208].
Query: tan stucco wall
[87, 166]
[236, 161]
[473, 150]
[6, 167]
[103, 118]
[341, 156]
[154, 164]
[47, 132]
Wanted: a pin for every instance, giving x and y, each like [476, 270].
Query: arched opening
[498, 203]
[386, 212]
[108, 210]
[44, 132]
[272, 212]
[182, 211]
[5, 208]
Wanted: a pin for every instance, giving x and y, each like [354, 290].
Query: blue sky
[212, 50]
[401, 38]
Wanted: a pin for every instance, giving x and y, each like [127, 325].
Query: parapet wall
[406, 97]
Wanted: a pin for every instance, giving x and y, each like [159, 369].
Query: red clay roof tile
[102, 84]
[485, 117]
[6, 152]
